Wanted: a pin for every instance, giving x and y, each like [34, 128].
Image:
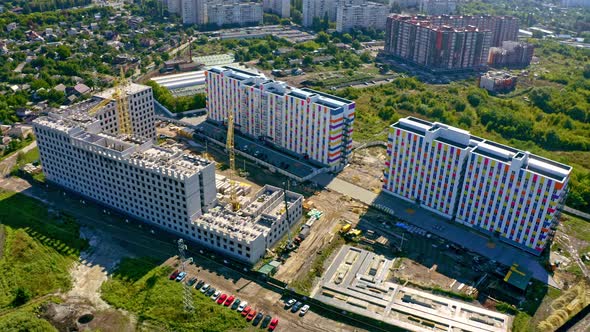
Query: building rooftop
[464, 140]
[129, 88]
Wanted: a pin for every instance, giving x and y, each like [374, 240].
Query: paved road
[470, 239]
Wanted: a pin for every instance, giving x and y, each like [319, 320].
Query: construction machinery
[229, 144]
[98, 106]
[120, 97]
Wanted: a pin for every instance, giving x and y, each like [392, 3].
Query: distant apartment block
[279, 7]
[498, 81]
[233, 12]
[511, 54]
[575, 3]
[496, 189]
[405, 3]
[438, 48]
[217, 12]
[361, 14]
[438, 7]
[319, 9]
[308, 123]
[503, 28]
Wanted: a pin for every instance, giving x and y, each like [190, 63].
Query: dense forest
[549, 115]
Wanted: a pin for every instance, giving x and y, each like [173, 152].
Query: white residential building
[312, 124]
[164, 187]
[319, 9]
[174, 6]
[247, 235]
[194, 11]
[141, 112]
[233, 12]
[279, 7]
[361, 14]
[494, 188]
[438, 7]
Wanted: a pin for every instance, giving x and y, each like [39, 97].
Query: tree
[22, 295]
[366, 57]
[307, 61]
[356, 45]
[322, 38]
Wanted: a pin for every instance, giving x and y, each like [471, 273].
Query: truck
[305, 230]
[345, 229]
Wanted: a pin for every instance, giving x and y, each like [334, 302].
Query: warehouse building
[311, 124]
[493, 188]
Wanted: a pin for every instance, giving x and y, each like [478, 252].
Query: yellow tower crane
[98, 106]
[232, 160]
[123, 115]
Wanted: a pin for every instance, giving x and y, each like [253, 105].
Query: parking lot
[258, 150]
[261, 299]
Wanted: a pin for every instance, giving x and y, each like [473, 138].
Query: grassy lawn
[576, 227]
[25, 319]
[38, 250]
[158, 301]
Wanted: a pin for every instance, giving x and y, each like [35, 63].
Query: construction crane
[98, 106]
[187, 292]
[229, 144]
[123, 115]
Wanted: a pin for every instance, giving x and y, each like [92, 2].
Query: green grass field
[24, 320]
[37, 250]
[158, 301]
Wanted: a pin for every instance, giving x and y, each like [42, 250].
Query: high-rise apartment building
[233, 12]
[160, 186]
[511, 54]
[84, 152]
[279, 7]
[437, 48]
[360, 14]
[438, 7]
[174, 6]
[575, 3]
[503, 28]
[307, 122]
[508, 193]
[140, 103]
[319, 9]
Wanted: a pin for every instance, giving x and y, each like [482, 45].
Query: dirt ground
[84, 299]
[337, 210]
[261, 299]
[366, 168]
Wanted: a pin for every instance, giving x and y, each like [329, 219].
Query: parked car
[242, 306]
[289, 303]
[257, 319]
[211, 291]
[246, 311]
[181, 276]
[215, 295]
[251, 315]
[273, 324]
[304, 310]
[296, 306]
[192, 281]
[221, 298]
[265, 321]
[236, 304]
[205, 288]
[174, 274]
[200, 284]
[229, 301]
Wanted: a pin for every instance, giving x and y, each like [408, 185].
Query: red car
[229, 301]
[174, 274]
[273, 324]
[222, 298]
[251, 315]
[246, 311]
